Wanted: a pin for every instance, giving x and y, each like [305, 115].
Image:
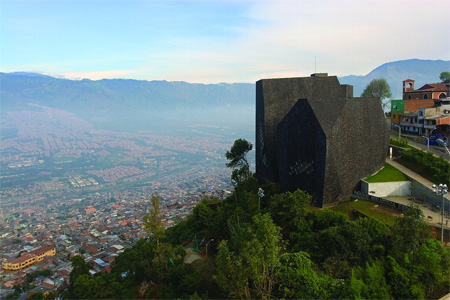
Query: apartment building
[29, 258]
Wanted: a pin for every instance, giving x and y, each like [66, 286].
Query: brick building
[423, 111]
[428, 91]
[401, 107]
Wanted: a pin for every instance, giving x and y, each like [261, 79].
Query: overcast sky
[218, 41]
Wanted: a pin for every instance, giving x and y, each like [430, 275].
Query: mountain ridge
[107, 95]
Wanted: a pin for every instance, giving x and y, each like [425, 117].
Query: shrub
[435, 169]
[402, 142]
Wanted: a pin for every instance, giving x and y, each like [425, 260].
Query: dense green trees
[248, 264]
[79, 268]
[436, 169]
[299, 280]
[282, 248]
[416, 264]
[369, 282]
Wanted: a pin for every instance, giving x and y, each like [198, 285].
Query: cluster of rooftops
[424, 111]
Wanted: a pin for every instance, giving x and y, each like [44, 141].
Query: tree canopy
[378, 88]
[237, 157]
[281, 249]
[445, 77]
[152, 220]
[248, 264]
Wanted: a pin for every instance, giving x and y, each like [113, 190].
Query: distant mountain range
[422, 71]
[20, 87]
[107, 100]
[125, 104]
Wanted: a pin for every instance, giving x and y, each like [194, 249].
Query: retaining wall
[384, 189]
[425, 193]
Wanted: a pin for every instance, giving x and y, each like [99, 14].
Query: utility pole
[441, 189]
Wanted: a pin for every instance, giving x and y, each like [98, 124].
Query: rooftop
[21, 259]
[42, 250]
[435, 87]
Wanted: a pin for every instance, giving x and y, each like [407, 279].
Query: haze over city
[217, 41]
[152, 149]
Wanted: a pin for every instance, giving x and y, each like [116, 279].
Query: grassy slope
[382, 213]
[387, 174]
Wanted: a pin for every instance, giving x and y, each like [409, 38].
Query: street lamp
[428, 139]
[428, 142]
[441, 189]
[260, 195]
[207, 246]
[443, 144]
[399, 132]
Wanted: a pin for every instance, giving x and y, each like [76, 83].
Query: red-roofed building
[73, 224]
[428, 91]
[142, 234]
[30, 239]
[43, 252]
[125, 222]
[423, 111]
[12, 283]
[90, 210]
[117, 206]
[28, 259]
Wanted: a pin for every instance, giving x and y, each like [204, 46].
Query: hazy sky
[218, 41]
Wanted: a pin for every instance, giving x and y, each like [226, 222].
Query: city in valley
[68, 184]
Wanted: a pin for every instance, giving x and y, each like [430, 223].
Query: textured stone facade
[313, 135]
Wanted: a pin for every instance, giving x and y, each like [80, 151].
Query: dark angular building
[313, 135]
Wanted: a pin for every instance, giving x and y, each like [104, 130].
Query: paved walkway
[432, 215]
[413, 175]
[419, 143]
[191, 255]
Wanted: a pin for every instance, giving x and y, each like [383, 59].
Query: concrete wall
[425, 193]
[405, 188]
[384, 189]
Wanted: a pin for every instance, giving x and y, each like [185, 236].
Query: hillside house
[428, 91]
[423, 111]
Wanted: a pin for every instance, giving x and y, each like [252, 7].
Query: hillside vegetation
[272, 245]
[435, 169]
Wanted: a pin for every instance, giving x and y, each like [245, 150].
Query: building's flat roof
[438, 117]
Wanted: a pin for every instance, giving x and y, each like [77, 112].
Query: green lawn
[387, 174]
[382, 213]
